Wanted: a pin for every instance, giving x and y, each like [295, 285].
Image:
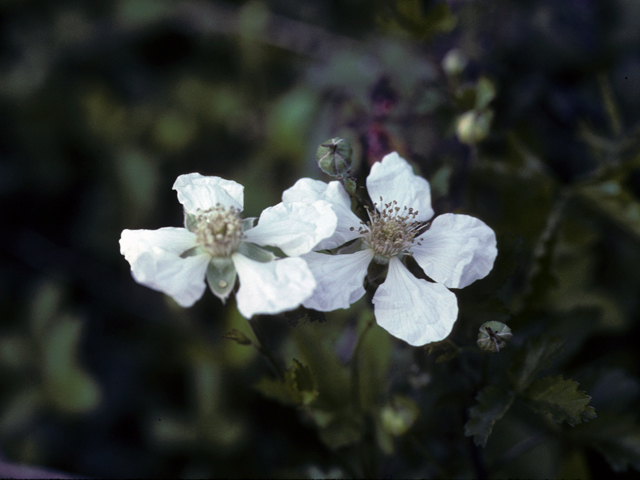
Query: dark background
[103, 104]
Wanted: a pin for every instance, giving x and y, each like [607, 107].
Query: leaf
[536, 355]
[345, 430]
[615, 203]
[485, 92]
[300, 382]
[493, 403]
[299, 386]
[67, 384]
[372, 364]
[238, 337]
[561, 398]
[542, 277]
[274, 390]
[617, 437]
[447, 351]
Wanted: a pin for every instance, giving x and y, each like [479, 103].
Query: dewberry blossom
[218, 244]
[453, 250]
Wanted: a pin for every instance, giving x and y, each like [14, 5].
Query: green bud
[493, 336]
[473, 126]
[454, 62]
[334, 157]
[399, 415]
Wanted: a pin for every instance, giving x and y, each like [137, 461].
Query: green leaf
[67, 385]
[561, 398]
[274, 390]
[617, 437]
[493, 403]
[447, 351]
[300, 383]
[238, 337]
[542, 277]
[343, 431]
[614, 203]
[299, 386]
[536, 355]
[485, 92]
[372, 363]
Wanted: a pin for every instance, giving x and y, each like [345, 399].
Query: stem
[519, 449]
[265, 351]
[355, 372]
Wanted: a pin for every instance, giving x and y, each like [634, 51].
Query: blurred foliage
[523, 114]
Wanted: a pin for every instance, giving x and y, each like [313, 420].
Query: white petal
[457, 250]
[340, 279]
[393, 179]
[155, 261]
[412, 309]
[295, 227]
[272, 287]
[308, 191]
[196, 191]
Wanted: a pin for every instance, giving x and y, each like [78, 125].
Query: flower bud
[334, 157]
[493, 336]
[473, 126]
[399, 415]
[454, 62]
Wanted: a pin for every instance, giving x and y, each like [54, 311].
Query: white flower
[454, 251]
[219, 245]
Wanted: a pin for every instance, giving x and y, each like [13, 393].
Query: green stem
[355, 372]
[265, 351]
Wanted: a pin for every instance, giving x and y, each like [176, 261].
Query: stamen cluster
[390, 231]
[219, 230]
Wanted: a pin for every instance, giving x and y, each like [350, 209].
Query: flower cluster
[329, 250]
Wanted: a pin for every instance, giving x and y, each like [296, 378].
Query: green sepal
[193, 251]
[190, 222]
[221, 277]
[353, 247]
[248, 223]
[254, 252]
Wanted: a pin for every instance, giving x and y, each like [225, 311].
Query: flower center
[390, 231]
[219, 230]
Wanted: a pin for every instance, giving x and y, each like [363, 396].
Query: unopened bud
[493, 336]
[454, 62]
[399, 415]
[473, 126]
[334, 157]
